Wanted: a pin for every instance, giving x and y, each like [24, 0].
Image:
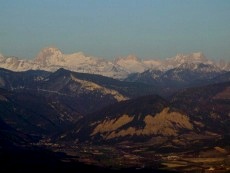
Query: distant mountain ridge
[51, 59]
[185, 75]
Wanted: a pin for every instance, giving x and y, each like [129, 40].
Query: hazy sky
[111, 28]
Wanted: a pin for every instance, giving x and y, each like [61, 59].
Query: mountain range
[44, 104]
[126, 111]
[51, 59]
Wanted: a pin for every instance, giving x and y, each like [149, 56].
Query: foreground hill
[208, 104]
[194, 117]
[105, 110]
[43, 103]
[34, 115]
[105, 122]
[92, 88]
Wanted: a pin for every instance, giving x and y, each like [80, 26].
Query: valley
[115, 86]
[153, 121]
[146, 156]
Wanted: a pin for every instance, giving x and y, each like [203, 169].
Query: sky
[116, 28]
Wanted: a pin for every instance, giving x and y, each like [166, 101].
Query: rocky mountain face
[47, 102]
[66, 82]
[209, 104]
[135, 120]
[43, 103]
[51, 59]
[191, 118]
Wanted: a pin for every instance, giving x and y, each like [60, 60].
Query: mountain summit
[49, 56]
[198, 57]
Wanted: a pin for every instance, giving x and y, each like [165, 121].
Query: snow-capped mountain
[131, 64]
[194, 58]
[187, 74]
[190, 72]
[51, 59]
[197, 57]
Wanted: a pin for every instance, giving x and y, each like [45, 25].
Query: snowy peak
[131, 64]
[51, 59]
[198, 57]
[48, 56]
[179, 59]
[199, 67]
